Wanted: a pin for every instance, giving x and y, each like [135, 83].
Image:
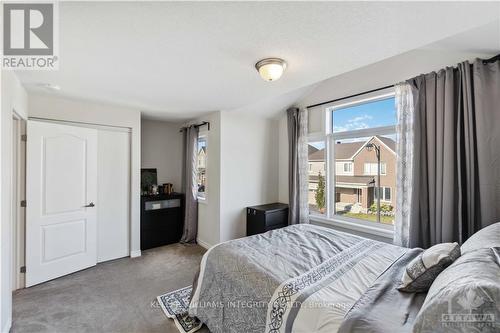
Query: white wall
[161, 148]
[59, 108]
[383, 73]
[242, 169]
[13, 98]
[249, 168]
[283, 158]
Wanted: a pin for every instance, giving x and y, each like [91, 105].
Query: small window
[343, 168]
[387, 195]
[202, 167]
[371, 169]
[367, 168]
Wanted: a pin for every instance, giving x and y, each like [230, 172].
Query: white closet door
[61, 189]
[113, 211]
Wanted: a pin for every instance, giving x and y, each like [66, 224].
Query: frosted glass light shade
[271, 69]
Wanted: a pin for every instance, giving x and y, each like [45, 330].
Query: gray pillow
[464, 297]
[484, 238]
[421, 271]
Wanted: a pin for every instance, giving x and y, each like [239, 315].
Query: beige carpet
[116, 296]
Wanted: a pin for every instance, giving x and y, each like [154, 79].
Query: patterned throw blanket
[301, 278]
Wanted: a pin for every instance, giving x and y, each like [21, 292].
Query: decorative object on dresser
[266, 217]
[149, 177]
[162, 218]
[168, 188]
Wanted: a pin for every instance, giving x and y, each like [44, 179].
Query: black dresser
[162, 219]
[266, 217]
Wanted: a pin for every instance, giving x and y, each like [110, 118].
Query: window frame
[383, 166]
[341, 166]
[203, 134]
[384, 197]
[385, 194]
[329, 137]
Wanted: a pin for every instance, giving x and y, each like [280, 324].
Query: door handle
[89, 205]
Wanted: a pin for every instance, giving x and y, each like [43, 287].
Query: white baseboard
[203, 244]
[135, 254]
[8, 325]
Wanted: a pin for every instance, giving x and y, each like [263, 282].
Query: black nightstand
[266, 217]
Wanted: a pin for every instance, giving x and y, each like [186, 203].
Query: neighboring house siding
[315, 167]
[347, 194]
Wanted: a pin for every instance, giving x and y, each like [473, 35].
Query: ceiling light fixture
[271, 69]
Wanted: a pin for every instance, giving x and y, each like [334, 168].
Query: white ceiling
[178, 60]
[483, 39]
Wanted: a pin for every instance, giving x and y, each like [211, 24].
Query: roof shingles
[345, 151]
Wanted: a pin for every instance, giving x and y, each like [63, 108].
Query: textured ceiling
[178, 60]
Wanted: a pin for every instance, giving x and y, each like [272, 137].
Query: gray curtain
[456, 186]
[297, 167]
[189, 184]
[480, 128]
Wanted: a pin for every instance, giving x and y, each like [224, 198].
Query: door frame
[18, 191]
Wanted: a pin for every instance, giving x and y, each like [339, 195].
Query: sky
[318, 145]
[367, 115]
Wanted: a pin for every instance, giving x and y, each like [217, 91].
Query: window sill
[386, 231]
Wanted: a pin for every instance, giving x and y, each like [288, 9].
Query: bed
[304, 278]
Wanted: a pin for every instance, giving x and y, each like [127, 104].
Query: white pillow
[464, 297]
[421, 271]
[484, 238]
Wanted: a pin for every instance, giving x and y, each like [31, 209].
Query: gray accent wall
[161, 148]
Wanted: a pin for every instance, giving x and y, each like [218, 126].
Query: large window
[201, 164]
[357, 154]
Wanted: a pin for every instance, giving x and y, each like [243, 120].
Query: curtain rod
[355, 95]
[485, 61]
[493, 59]
[198, 125]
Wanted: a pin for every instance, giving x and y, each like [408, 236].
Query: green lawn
[371, 217]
